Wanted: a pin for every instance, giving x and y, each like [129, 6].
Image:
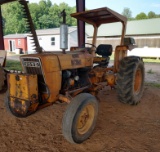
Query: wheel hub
[85, 119]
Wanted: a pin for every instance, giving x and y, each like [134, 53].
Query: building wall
[73, 39]
[141, 41]
[11, 44]
[149, 41]
[47, 42]
[113, 41]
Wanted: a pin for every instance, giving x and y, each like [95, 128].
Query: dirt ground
[120, 127]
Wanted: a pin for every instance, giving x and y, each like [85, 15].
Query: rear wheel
[80, 118]
[130, 80]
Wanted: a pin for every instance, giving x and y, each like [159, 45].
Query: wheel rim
[85, 119]
[138, 81]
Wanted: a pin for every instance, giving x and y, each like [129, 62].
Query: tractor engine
[74, 79]
[100, 74]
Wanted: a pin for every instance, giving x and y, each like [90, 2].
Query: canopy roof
[100, 16]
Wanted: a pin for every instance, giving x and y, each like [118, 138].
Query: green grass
[156, 85]
[150, 71]
[13, 65]
[149, 60]
[146, 60]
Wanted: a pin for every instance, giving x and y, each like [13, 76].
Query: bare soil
[120, 127]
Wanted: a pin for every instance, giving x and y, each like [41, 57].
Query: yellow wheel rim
[138, 81]
[85, 119]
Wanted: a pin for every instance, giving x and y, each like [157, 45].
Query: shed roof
[136, 27]
[16, 36]
[54, 31]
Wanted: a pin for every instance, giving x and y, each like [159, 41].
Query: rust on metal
[75, 62]
[64, 98]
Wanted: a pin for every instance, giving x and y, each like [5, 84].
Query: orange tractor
[76, 76]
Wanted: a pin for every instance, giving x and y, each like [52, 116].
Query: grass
[150, 71]
[150, 60]
[146, 60]
[156, 85]
[13, 65]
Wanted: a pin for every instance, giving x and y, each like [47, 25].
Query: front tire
[80, 118]
[130, 80]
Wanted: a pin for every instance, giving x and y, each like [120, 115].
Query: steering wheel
[89, 44]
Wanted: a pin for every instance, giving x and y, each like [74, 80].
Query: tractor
[76, 76]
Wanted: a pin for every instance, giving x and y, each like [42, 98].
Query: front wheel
[130, 80]
[80, 118]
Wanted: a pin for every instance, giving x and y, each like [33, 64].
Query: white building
[49, 39]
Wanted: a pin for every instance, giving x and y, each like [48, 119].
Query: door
[12, 45]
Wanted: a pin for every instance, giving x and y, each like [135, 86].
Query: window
[52, 40]
[19, 42]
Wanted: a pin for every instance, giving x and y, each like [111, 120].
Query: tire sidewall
[78, 138]
[71, 114]
[138, 95]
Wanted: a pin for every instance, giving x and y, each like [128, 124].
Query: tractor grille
[33, 66]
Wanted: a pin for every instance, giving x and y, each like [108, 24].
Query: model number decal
[31, 64]
[76, 62]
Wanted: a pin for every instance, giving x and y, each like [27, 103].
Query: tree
[141, 16]
[127, 13]
[44, 15]
[152, 15]
[13, 18]
[35, 12]
[54, 13]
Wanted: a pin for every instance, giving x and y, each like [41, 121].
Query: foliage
[44, 15]
[127, 13]
[153, 84]
[152, 14]
[141, 16]
[47, 15]
[13, 65]
[150, 71]
[151, 60]
[13, 18]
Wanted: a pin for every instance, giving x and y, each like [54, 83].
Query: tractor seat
[104, 50]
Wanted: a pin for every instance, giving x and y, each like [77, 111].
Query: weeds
[150, 71]
[13, 65]
[156, 85]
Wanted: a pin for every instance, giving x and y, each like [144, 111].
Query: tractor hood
[57, 61]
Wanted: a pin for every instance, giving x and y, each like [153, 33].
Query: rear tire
[130, 80]
[80, 118]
